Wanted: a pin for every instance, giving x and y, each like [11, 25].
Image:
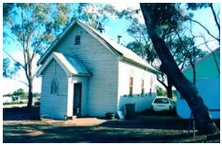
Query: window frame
[131, 86]
[54, 87]
[142, 86]
[77, 39]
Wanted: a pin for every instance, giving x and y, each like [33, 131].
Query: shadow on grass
[94, 134]
[145, 127]
[21, 113]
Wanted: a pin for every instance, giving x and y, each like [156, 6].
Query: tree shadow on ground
[144, 128]
[94, 134]
[21, 113]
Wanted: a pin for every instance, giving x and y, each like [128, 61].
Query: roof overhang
[119, 53]
[152, 70]
[71, 67]
[87, 29]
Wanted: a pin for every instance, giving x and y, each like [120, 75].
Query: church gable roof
[119, 50]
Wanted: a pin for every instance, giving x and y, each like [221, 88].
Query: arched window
[142, 84]
[131, 83]
[54, 87]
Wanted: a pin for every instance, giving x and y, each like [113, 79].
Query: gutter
[140, 65]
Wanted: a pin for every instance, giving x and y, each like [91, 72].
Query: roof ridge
[119, 50]
[117, 46]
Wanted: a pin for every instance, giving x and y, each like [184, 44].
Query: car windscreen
[161, 101]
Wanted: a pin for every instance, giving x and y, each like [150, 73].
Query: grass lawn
[21, 126]
[13, 103]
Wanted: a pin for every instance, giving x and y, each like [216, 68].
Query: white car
[163, 104]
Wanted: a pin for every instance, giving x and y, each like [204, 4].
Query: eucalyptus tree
[31, 27]
[211, 36]
[95, 15]
[174, 36]
[168, 14]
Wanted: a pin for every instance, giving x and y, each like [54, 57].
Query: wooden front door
[77, 99]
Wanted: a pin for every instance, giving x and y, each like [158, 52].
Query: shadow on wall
[142, 101]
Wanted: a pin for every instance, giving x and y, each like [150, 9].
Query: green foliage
[137, 47]
[36, 94]
[169, 21]
[185, 51]
[174, 93]
[20, 92]
[7, 10]
[32, 27]
[165, 15]
[95, 15]
[196, 6]
[6, 64]
[137, 30]
[169, 24]
[161, 92]
[8, 71]
[13, 103]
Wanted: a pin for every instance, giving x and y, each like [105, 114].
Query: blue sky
[115, 27]
[204, 16]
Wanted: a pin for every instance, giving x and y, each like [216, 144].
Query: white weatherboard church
[84, 73]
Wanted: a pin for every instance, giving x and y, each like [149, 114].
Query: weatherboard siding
[101, 63]
[142, 102]
[54, 106]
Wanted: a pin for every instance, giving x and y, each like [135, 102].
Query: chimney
[119, 38]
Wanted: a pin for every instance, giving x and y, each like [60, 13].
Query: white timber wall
[101, 63]
[142, 101]
[54, 106]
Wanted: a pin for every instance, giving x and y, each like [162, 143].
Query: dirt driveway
[93, 130]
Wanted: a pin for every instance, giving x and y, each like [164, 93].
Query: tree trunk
[30, 95]
[194, 73]
[203, 120]
[169, 89]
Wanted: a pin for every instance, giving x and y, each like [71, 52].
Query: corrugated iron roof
[114, 46]
[73, 65]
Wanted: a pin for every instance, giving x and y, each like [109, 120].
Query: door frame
[80, 99]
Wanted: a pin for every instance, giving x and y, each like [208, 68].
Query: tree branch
[205, 29]
[162, 82]
[14, 59]
[214, 56]
[215, 18]
[20, 81]
[15, 42]
[183, 64]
